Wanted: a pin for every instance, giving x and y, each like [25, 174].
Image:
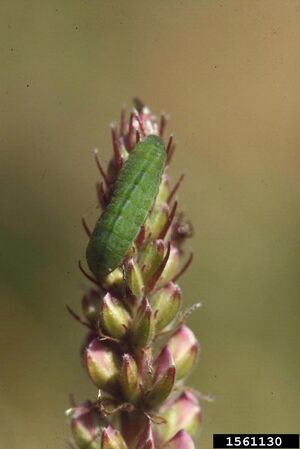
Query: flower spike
[137, 351]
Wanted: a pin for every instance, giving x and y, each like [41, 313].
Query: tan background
[228, 72]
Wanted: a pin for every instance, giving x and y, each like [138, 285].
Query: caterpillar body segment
[134, 193]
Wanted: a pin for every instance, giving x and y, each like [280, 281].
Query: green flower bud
[102, 366]
[152, 258]
[112, 439]
[114, 281]
[166, 303]
[157, 220]
[114, 318]
[164, 191]
[130, 379]
[134, 279]
[171, 268]
[143, 326]
[184, 348]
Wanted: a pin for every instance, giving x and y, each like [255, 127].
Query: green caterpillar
[135, 190]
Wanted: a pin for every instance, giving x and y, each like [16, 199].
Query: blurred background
[228, 73]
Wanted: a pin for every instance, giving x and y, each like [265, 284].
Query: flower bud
[164, 191]
[184, 349]
[134, 278]
[145, 365]
[86, 341]
[171, 268]
[102, 366]
[112, 439]
[130, 379]
[114, 318]
[143, 326]
[182, 440]
[91, 305]
[146, 440]
[182, 414]
[166, 303]
[114, 281]
[156, 220]
[152, 258]
[85, 425]
[164, 378]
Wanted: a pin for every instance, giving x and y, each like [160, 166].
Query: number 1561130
[253, 441]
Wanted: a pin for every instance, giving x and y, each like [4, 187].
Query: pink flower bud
[163, 380]
[182, 440]
[146, 440]
[85, 425]
[182, 414]
[102, 366]
[184, 349]
[112, 439]
[86, 341]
